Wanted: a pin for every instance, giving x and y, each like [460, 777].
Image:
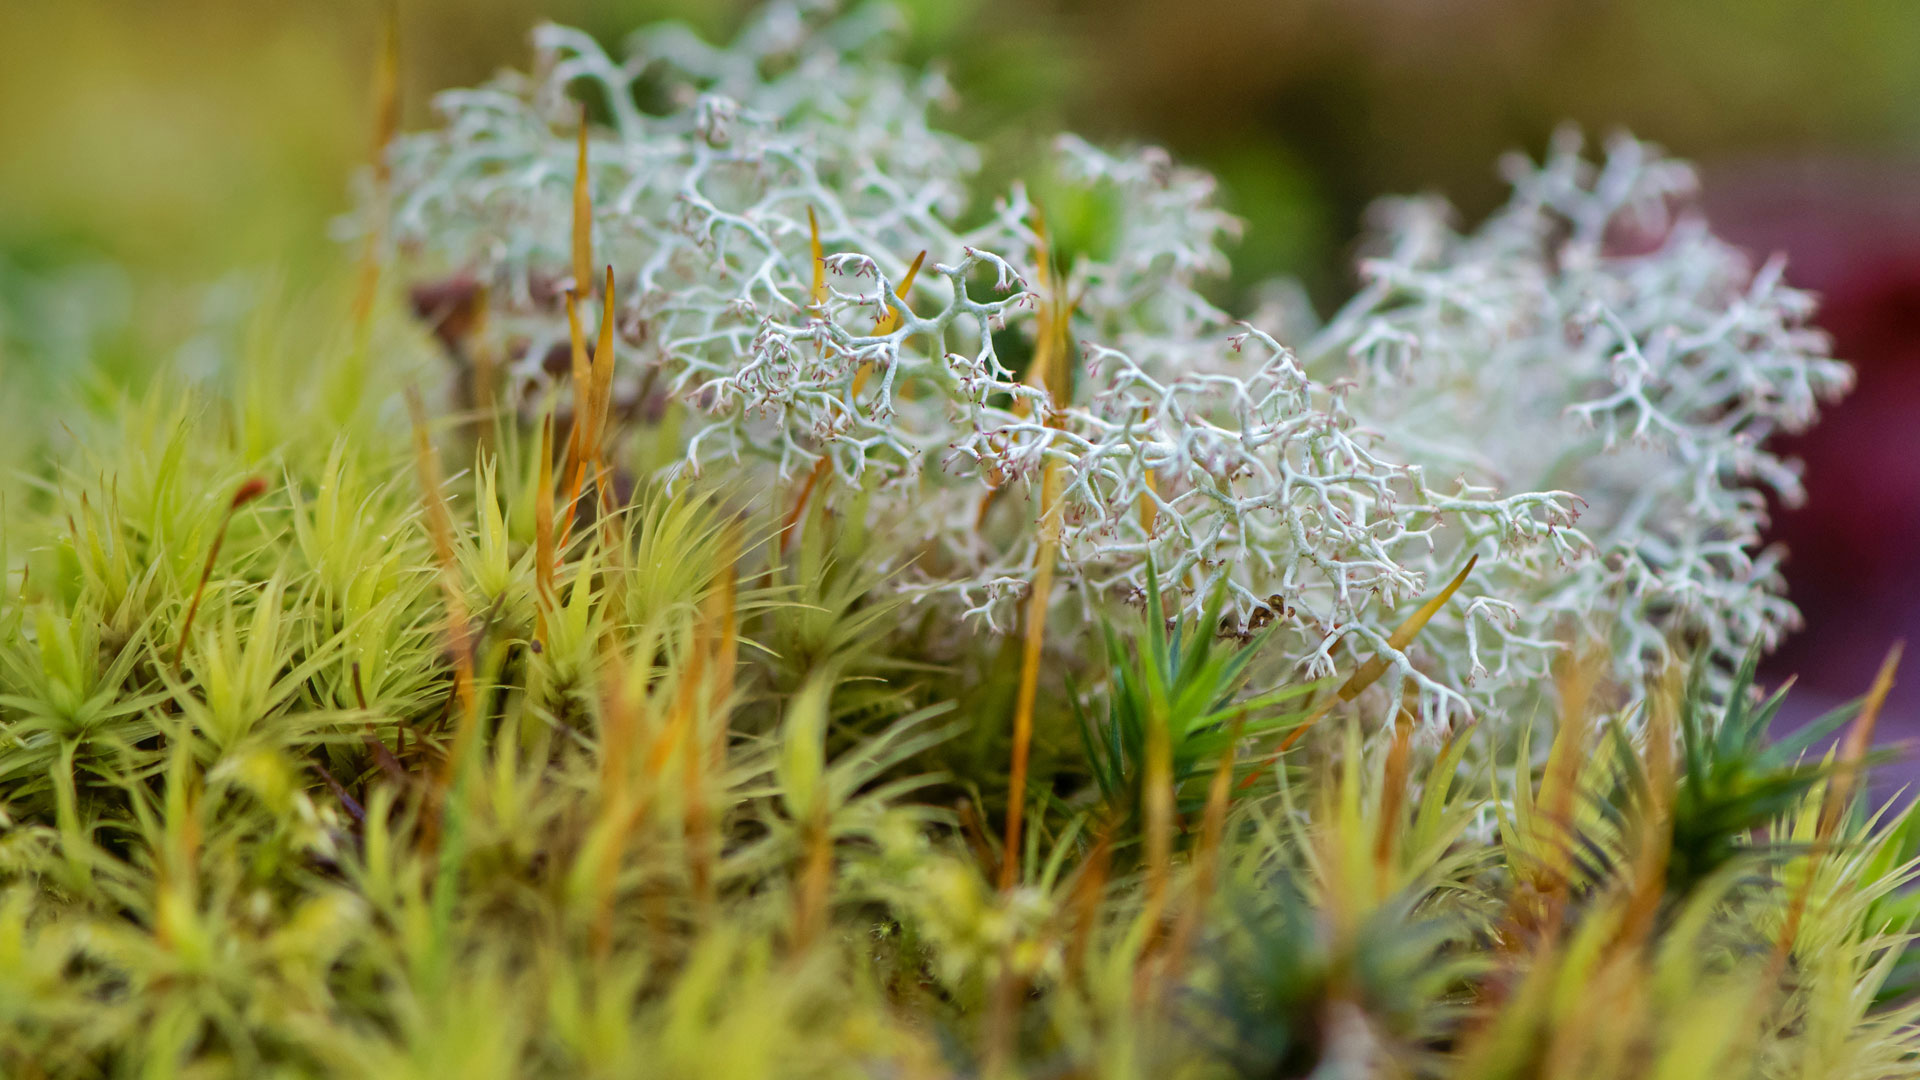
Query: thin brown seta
[1394, 778]
[584, 382]
[1853, 750]
[1833, 811]
[1032, 645]
[1051, 335]
[886, 324]
[459, 631]
[386, 123]
[1839, 795]
[1369, 673]
[818, 295]
[1149, 500]
[1206, 857]
[582, 214]
[592, 398]
[603, 361]
[1654, 850]
[1089, 889]
[544, 560]
[1558, 798]
[620, 809]
[249, 490]
[582, 368]
[1055, 311]
[719, 635]
[816, 884]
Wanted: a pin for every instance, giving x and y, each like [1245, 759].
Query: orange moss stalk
[818, 296]
[703, 683]
[592, 397]
[718, 635]
[817, 299]
[816, 884]
[582, 214]
[1051, 333]
[1394, 777]
[1206, 857]
[620, 809]
[1050, 321]
[886, 324]
[1031, 647]
[386, 123]
[627, 730]
[459, 632]
[681, 715]
[1051, 318]
[1560, 784]
[1089, 889]
[588, 381]
[603, 361]
[1652, 853]
[1859, 739]
[543, 549]
[1833, 807]
[1369, 673]
[249, 490]
[582, 366]
[1149, 509]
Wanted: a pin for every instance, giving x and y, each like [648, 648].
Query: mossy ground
[349, 728]
[312, 768]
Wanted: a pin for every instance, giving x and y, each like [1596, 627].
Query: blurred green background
[150, 149]
[181, 138]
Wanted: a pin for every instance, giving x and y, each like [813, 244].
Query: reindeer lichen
[1579, 391]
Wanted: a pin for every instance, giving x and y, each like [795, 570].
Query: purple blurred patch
[1851, 231]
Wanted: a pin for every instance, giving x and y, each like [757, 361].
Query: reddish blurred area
[1851, 231]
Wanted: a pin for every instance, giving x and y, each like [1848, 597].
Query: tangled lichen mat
[1580, 391]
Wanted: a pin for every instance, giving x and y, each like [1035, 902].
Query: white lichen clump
[1579, 392]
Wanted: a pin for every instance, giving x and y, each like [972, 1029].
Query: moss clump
[348, 730]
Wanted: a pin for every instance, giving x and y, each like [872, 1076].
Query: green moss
[312, 764]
